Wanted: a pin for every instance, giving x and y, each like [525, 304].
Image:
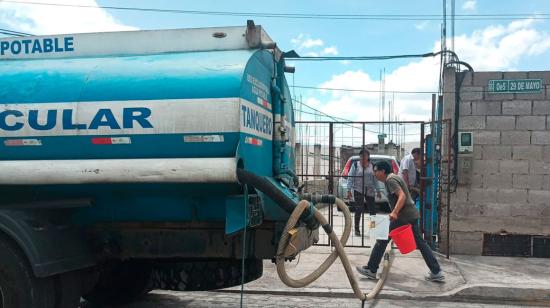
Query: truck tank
[132, 141]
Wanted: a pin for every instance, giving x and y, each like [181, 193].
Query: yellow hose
[339, 252]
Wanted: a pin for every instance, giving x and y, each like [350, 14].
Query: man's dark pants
[361, 204]
[380, 246]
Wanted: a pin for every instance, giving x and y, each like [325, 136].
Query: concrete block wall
[509, 189]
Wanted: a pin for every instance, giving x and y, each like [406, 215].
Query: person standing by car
[403, 212]
[361, 186]
[407, 171]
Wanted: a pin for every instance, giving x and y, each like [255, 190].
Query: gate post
[330, 158]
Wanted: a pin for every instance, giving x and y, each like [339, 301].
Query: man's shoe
[439, 277]
[364, 270]
[357, 232]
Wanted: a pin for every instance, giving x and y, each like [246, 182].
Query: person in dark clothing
[361, 188]
[403, 212]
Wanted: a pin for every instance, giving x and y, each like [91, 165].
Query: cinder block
[546, 153]
[460, 208]
[512, 196]
[471, 122]
[477, 181]
[527, 152]
[519, 211]
[469, 236]
[544, 75]
[485, 167]
[539, 197]
[530, 96]
[514, 75]
[465, 108]
[517, 107]
[486, 108]
[497, 181]
[540, 137]
[482, 78]
[482, 195]
[476, 210]
[546, 182]
[467, 81]
[471, 93]
[539, 167]
[515, 137]
[541, 107]
[486, 137]
[461, 195]
[540, 210]
[501, 122]
[524, 181]
[477, 154]
[493, 152]
[464, 247]
[497, 209]
[514, 166]
[498, 97]
[530, 123]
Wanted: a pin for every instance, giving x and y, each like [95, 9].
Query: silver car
[381, 196]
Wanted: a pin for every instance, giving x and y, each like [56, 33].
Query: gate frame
[433, 125]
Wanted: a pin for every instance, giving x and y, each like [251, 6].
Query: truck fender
[51, 245]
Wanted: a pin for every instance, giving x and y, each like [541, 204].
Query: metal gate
[325, 151]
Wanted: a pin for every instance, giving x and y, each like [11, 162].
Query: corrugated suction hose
[301, 210]
[338, 252]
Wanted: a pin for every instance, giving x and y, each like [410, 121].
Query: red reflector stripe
[112, 140]
[13, 142]
[253, 141]
[102, 141]
[22, 142]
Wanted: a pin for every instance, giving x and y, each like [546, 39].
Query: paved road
[165, 299]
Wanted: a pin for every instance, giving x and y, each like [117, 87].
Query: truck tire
[204, 275]
[121, 283]
[18, 285]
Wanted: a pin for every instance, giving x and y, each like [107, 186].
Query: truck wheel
[18, 285]
[204, 275]
[121, 283]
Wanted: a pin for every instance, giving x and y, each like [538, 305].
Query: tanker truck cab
[127, 160]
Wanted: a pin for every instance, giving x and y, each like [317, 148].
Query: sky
[487, 45]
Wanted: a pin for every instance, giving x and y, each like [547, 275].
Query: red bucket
[404, 239]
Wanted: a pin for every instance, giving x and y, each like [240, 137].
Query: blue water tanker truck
[141, 160]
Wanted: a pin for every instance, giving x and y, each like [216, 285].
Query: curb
[472, 293]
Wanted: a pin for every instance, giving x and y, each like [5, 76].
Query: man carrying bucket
[403, 213]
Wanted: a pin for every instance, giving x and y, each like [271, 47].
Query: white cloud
[502, 47]
[469, 5]
[311, 54]
[498, 47]
[309, 43]
[43, 19]
[312, 47]
[332, 50]
[421, 25]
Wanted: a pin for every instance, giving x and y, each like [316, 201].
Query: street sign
[515, 86]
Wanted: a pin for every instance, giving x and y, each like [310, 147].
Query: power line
[364, 91]
[393, 17]
[14, 33]
[380, 91]
[362, 58]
